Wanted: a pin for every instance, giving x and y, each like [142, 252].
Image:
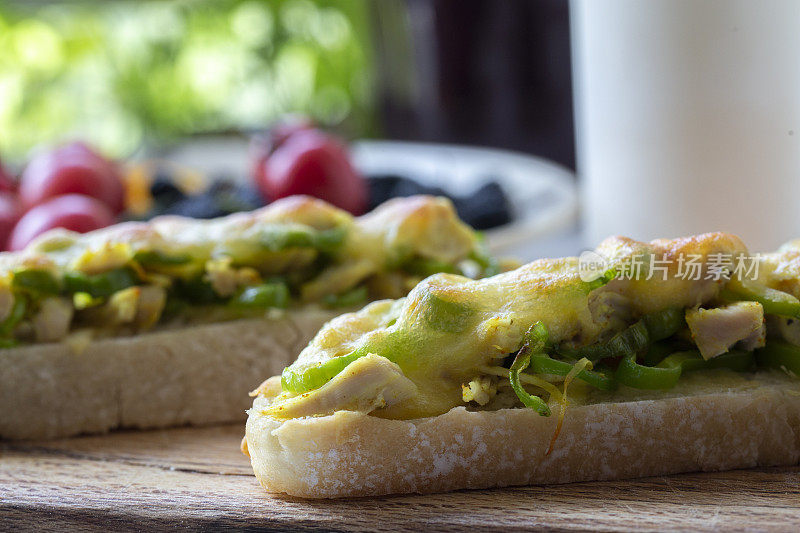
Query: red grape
[9, 214]
[262, 145]
[72, 168]
[74, 212]
[7, 182]
[313, 163]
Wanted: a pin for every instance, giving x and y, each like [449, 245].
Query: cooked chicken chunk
[366, 384]
[52, 321]
[789, 328]
[716, 330]
[225, 279]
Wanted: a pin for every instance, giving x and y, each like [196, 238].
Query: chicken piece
[480, 390]
[121, 307]
[52, 321]
[757, 339]
[225, 279]
[716, 330]
[368, 383]
[138, 306]
[152, 299]
[789, 328]
[336, 280]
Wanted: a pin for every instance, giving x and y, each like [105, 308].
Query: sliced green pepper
[666, 373]
[395, 347]
[279, 238]
[100, 285]
[664, 324]
[632, 374]
[628, 341]
[544, 364]
[773, 301]
[347, 299]
[652, 327]
[536, 341]
[330, 240]
[262, 296]
[15, 316]
[36, 281]
[691, 360]
[314, 377]
[656, 353]
[602, 280]
[196, 291]
[148, 258]
[780, 355]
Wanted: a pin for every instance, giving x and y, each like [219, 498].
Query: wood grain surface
[196, 478]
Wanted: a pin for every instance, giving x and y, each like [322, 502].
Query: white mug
[688, 118]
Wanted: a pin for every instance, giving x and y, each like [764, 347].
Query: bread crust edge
[353, 454]
[195, 375]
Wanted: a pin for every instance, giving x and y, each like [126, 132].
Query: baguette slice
[193, 375]
[703, 424]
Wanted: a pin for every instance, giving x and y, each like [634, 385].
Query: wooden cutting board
[198, 478]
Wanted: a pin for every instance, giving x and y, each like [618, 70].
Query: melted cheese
[375, 237]
[238, 250]
[450, 326]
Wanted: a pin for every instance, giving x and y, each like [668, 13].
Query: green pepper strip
[262, 296]
[626, 342]
[148, 258]
[196, 291]
[280, 238]
[544, 364]
[651, 328]
[330, 239]
[666, 373]
[638, 376]
[100, 285]
[315, 377]
[657, 352]
[536, 341]
[602, 280]
[15, 316]
[664, 324]
[780, 355]
[691, 360]
[773, 301]
[36, 282]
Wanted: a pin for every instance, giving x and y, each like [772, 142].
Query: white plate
[542, 194]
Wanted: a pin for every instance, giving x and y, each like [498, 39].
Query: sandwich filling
[529, 337]
[173, 271]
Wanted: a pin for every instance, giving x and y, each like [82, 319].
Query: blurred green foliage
[125, 74]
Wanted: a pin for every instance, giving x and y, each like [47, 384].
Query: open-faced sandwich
[670, 356]
[173, 321]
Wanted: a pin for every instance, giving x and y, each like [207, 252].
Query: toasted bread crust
[194, 375]
[697, 427]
